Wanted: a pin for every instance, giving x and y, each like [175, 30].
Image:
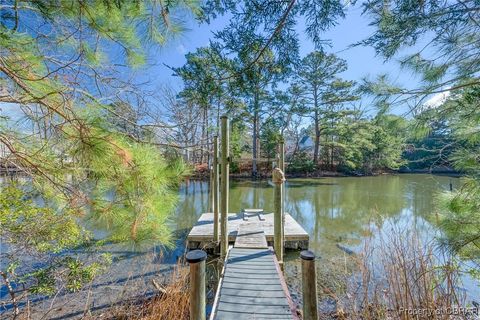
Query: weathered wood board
[251, 235]
[201, 235]
[252, 287]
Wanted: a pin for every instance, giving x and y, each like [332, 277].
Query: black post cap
[307, 255]
[196, 256]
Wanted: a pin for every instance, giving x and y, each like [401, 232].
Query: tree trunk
[317, 127]
[207, 136]
[317, 138]
[218, 118]
[333, 147]
[255, 137]
[204, 135]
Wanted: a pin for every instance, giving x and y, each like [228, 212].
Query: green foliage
[44, 282]
[78, 137]
[430, 142]
[269, 138]
[89, 164]
[70, 271]
[78, 273]
[42, 231]
[237, 145]
[354, 144]
[458, 218]
[460, 209]
[255, 20]
[322, 92]
[300, 162]
[41, 228]
[443, 36]
[389, 134]
[119, 206]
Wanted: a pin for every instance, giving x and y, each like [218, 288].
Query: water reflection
[331, 210]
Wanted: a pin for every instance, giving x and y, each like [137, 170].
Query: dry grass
[396, 277]
[174, 303]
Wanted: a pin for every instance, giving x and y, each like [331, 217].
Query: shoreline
[205, 176]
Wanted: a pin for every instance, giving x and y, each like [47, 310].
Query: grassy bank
[402, 277]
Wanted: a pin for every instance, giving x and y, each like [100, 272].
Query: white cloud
[437, 99]
[181, 49]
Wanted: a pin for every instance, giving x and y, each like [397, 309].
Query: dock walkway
[252, 284]
[201, 235]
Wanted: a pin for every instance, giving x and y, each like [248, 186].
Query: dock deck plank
[201, 234]
[252, 287]
[251, 235]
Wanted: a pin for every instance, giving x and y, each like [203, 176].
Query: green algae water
[338, 213]
[333, 210]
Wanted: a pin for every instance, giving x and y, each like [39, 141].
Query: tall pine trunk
[204, 138]
[255, 144]
[255, 136]
[316, 150]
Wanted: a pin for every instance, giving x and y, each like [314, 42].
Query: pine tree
[55, 71]
[444, 36]
[321, 88]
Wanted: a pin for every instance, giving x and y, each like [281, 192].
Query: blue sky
[362, 61]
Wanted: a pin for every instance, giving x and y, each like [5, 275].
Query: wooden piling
[281, 154]
[281, 165]
[210, 190]
[278, 178]
[309, 285]
[216, 237]
[225, 169]
[196, 259]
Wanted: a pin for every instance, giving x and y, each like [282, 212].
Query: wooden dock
[252, 284]
[201, 235]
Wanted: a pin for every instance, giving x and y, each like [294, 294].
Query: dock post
[281, 154]
[215, 190]
[309, 285]
[278, 179]
[210, 190]
[281, 165]
[196, 259]
[224, 188]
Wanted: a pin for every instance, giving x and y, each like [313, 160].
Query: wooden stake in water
[224, 188]
[215, 190]
[309, 285]
[196, 259]
[278, 179]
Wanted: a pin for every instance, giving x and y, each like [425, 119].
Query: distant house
[306, 144]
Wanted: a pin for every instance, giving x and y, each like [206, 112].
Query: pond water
[338, 213]
[332, 210]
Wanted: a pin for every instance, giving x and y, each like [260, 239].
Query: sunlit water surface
[343, 212]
